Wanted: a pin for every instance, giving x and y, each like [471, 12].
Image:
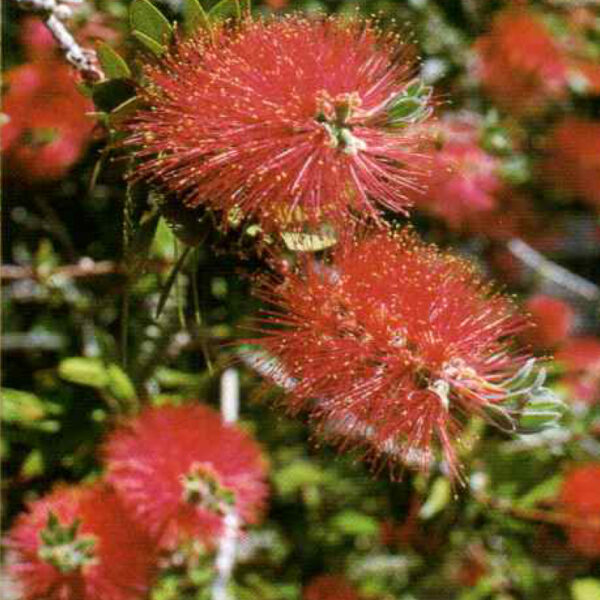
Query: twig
[226, 552]
[550, 270]
[54, 13]
[536, 514]
[86, 267]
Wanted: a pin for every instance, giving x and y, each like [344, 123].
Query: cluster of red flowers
[243, 120]
[47, 128]
[523, 66]
[390, 344]
[173, 474]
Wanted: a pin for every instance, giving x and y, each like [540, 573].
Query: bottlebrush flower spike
[292, 121]
[580, 496]
[78, 543]
[178, 469]
[392, 345]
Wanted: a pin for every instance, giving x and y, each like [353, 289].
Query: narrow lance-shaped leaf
[140, 242]
[112, 63]
[148, 42]
[109, 95]
[225, 9]
[194, 16]
[149, 25]
[164, 295]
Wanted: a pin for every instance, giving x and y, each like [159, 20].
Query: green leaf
[112, 63]
[33, 465]
[439, 496]
[148, 42]
[351, 522]
[111, 94]
[139, 246]
[411, 105]
[540, 414]
[119, 384]
[545, 490]
[164, 295]
[225, 9]
[147, 21]
[246, 7]
[585, 589]
[194, 16]
[172, 378]
[125, 110]
[84, 371]
[21, 407]
[297, 475]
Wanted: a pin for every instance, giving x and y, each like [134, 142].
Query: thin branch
[54, 13]
[552, 517]
[86, 267]
[550, 270]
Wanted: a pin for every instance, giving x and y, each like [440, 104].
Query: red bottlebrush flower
[330, 587]
[580, 497]
[520, 65]
[390, 344]
[580, 357]
[463, 180]
[78, 543]
[179, 469]
[47, 130]
[573, 161]
[553, 318]
[291, 121]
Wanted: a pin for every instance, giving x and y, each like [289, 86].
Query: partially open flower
[79, 543]
[392, 345]
[180, 469]
[580, 497]
[290, 122]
